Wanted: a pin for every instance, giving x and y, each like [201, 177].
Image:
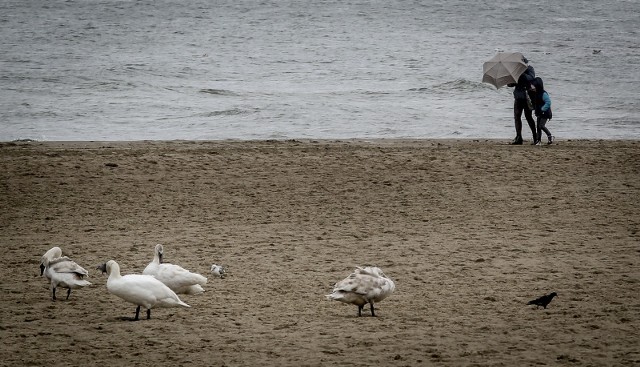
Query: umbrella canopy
[504, 68]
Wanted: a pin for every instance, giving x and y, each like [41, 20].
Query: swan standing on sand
[141, 290]
[180, 280]
[62, 272]
[364, 285]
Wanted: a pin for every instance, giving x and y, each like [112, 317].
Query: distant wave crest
[230, 112]
[218, 92]
[454, 86]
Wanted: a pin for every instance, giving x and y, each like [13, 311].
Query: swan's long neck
[114, 270]
[157, 254]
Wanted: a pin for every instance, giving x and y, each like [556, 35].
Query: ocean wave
[218, 92]
[229, 112]
[374, 92]
[454, 86]
[461, 85]
[205, 115]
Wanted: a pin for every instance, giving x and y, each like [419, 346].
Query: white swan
[364, 285]
[141, 290]
[180, 280]
[62, 272]
[218, 270]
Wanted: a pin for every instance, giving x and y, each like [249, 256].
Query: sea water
[323, 69]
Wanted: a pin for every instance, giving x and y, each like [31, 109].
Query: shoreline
[331, 142]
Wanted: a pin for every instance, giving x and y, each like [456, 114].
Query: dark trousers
[542, 126]
[520, 105]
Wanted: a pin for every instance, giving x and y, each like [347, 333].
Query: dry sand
[469, 230]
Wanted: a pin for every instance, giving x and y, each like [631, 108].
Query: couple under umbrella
[512, 69]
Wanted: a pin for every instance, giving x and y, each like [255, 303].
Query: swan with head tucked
[62, 272]
[180, 280]
[141, 290]
[218, 270]
[364, 285]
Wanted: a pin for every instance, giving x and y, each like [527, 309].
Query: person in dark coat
[542, 106]
[521, 103]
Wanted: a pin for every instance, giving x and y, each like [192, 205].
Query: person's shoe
[550, 139]
[516, 141]
[537, 143]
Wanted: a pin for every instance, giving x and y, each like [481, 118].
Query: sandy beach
[469, 230]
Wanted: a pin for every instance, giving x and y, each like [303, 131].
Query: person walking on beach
[542, 106]
[521, 103]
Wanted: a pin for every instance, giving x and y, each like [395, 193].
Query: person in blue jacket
[542, 107]
[521, 103]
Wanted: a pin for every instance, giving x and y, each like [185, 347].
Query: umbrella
[504, 68]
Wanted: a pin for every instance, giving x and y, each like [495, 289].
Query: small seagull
[218, 270]
[543, 301]
[595, 52]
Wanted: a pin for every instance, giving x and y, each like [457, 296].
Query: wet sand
[468, 230]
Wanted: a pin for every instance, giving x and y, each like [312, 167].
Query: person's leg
[517, 116]
[539, 132]
[543, 127]
[532, 123]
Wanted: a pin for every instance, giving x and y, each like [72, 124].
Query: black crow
[543, 301]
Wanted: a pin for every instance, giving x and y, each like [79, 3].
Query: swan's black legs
[137, 313]
[372, 313]
[148, 314]
[68, 293]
